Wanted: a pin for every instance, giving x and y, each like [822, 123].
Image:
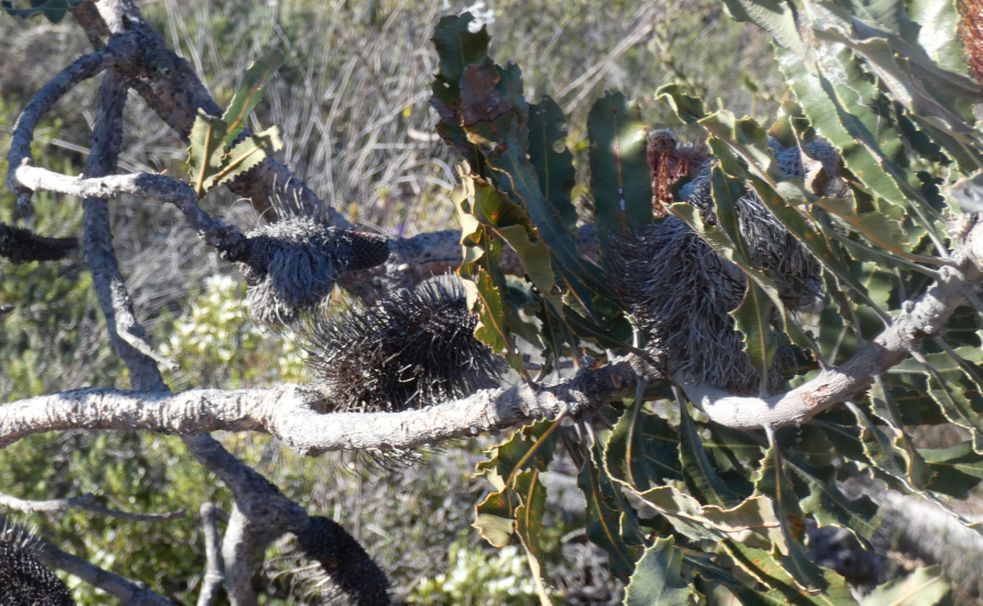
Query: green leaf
[701, 475]
[938, 32]
[923, 587]
[205, 149]
[551, 158]
[244, 155]
[53, 10]
[752, 318]
[658, 577]
[495, 517]
[642, 450]
[767, 568]
[249, 93]
[620, 181]
[774, 16]
[529, 524]
[770, 480]
[529, 447]
[518, 505]
[495, 115]
[456, 47]
[604, 514]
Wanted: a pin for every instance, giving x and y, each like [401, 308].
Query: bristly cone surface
[24, 581]
[409, 350]
[680, 292]
[296, 262]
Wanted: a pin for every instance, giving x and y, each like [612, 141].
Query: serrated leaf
[529, 524]
[205, 149]
[701, 476]
[551, 158]
[620, 181]
[495, 117]
[495, 517]
[774, 16]
[243, 156]
[820, 496]
[938, 32]
[923, 587]
[529, 447]
[604, 523]
[750, 520]
[249, 93]
[456, 47]
[767, 569]
[658, 577]
[770, 480]
[642, 450]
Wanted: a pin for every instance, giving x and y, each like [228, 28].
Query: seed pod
[679, 291]
[21, 245]
[411, 349]
[24, 581]
[293, 265]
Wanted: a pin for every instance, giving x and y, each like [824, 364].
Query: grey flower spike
[411, 349]
[293, 265]
[679, 292]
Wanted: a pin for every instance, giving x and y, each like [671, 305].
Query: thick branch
[290, 413]
[922, 317]
[227, 239]
[83, 68]
[21, 245]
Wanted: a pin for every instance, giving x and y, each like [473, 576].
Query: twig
[86, 502]
[172, 89]
[225, 238]
[214, 577]
[81, 69]
[922, 317]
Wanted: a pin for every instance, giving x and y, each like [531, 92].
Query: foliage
[213, 342]
[690, 484]
[891, 94]
[478, 577]
[53, 10]
[216, 154]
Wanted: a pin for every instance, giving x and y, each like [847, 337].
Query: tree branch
[293, 414]
[86, 502]
[922, 317]
[171, 88]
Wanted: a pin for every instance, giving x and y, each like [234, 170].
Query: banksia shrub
[295, 263]
[413, 348]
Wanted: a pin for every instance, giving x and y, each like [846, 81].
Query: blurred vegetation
[352, 105]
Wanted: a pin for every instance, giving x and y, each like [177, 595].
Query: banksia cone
[20, 245]
[971, 32]
[295, 263]
[669, 161]
[413, 348]
[24, 581]
[680, 292]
